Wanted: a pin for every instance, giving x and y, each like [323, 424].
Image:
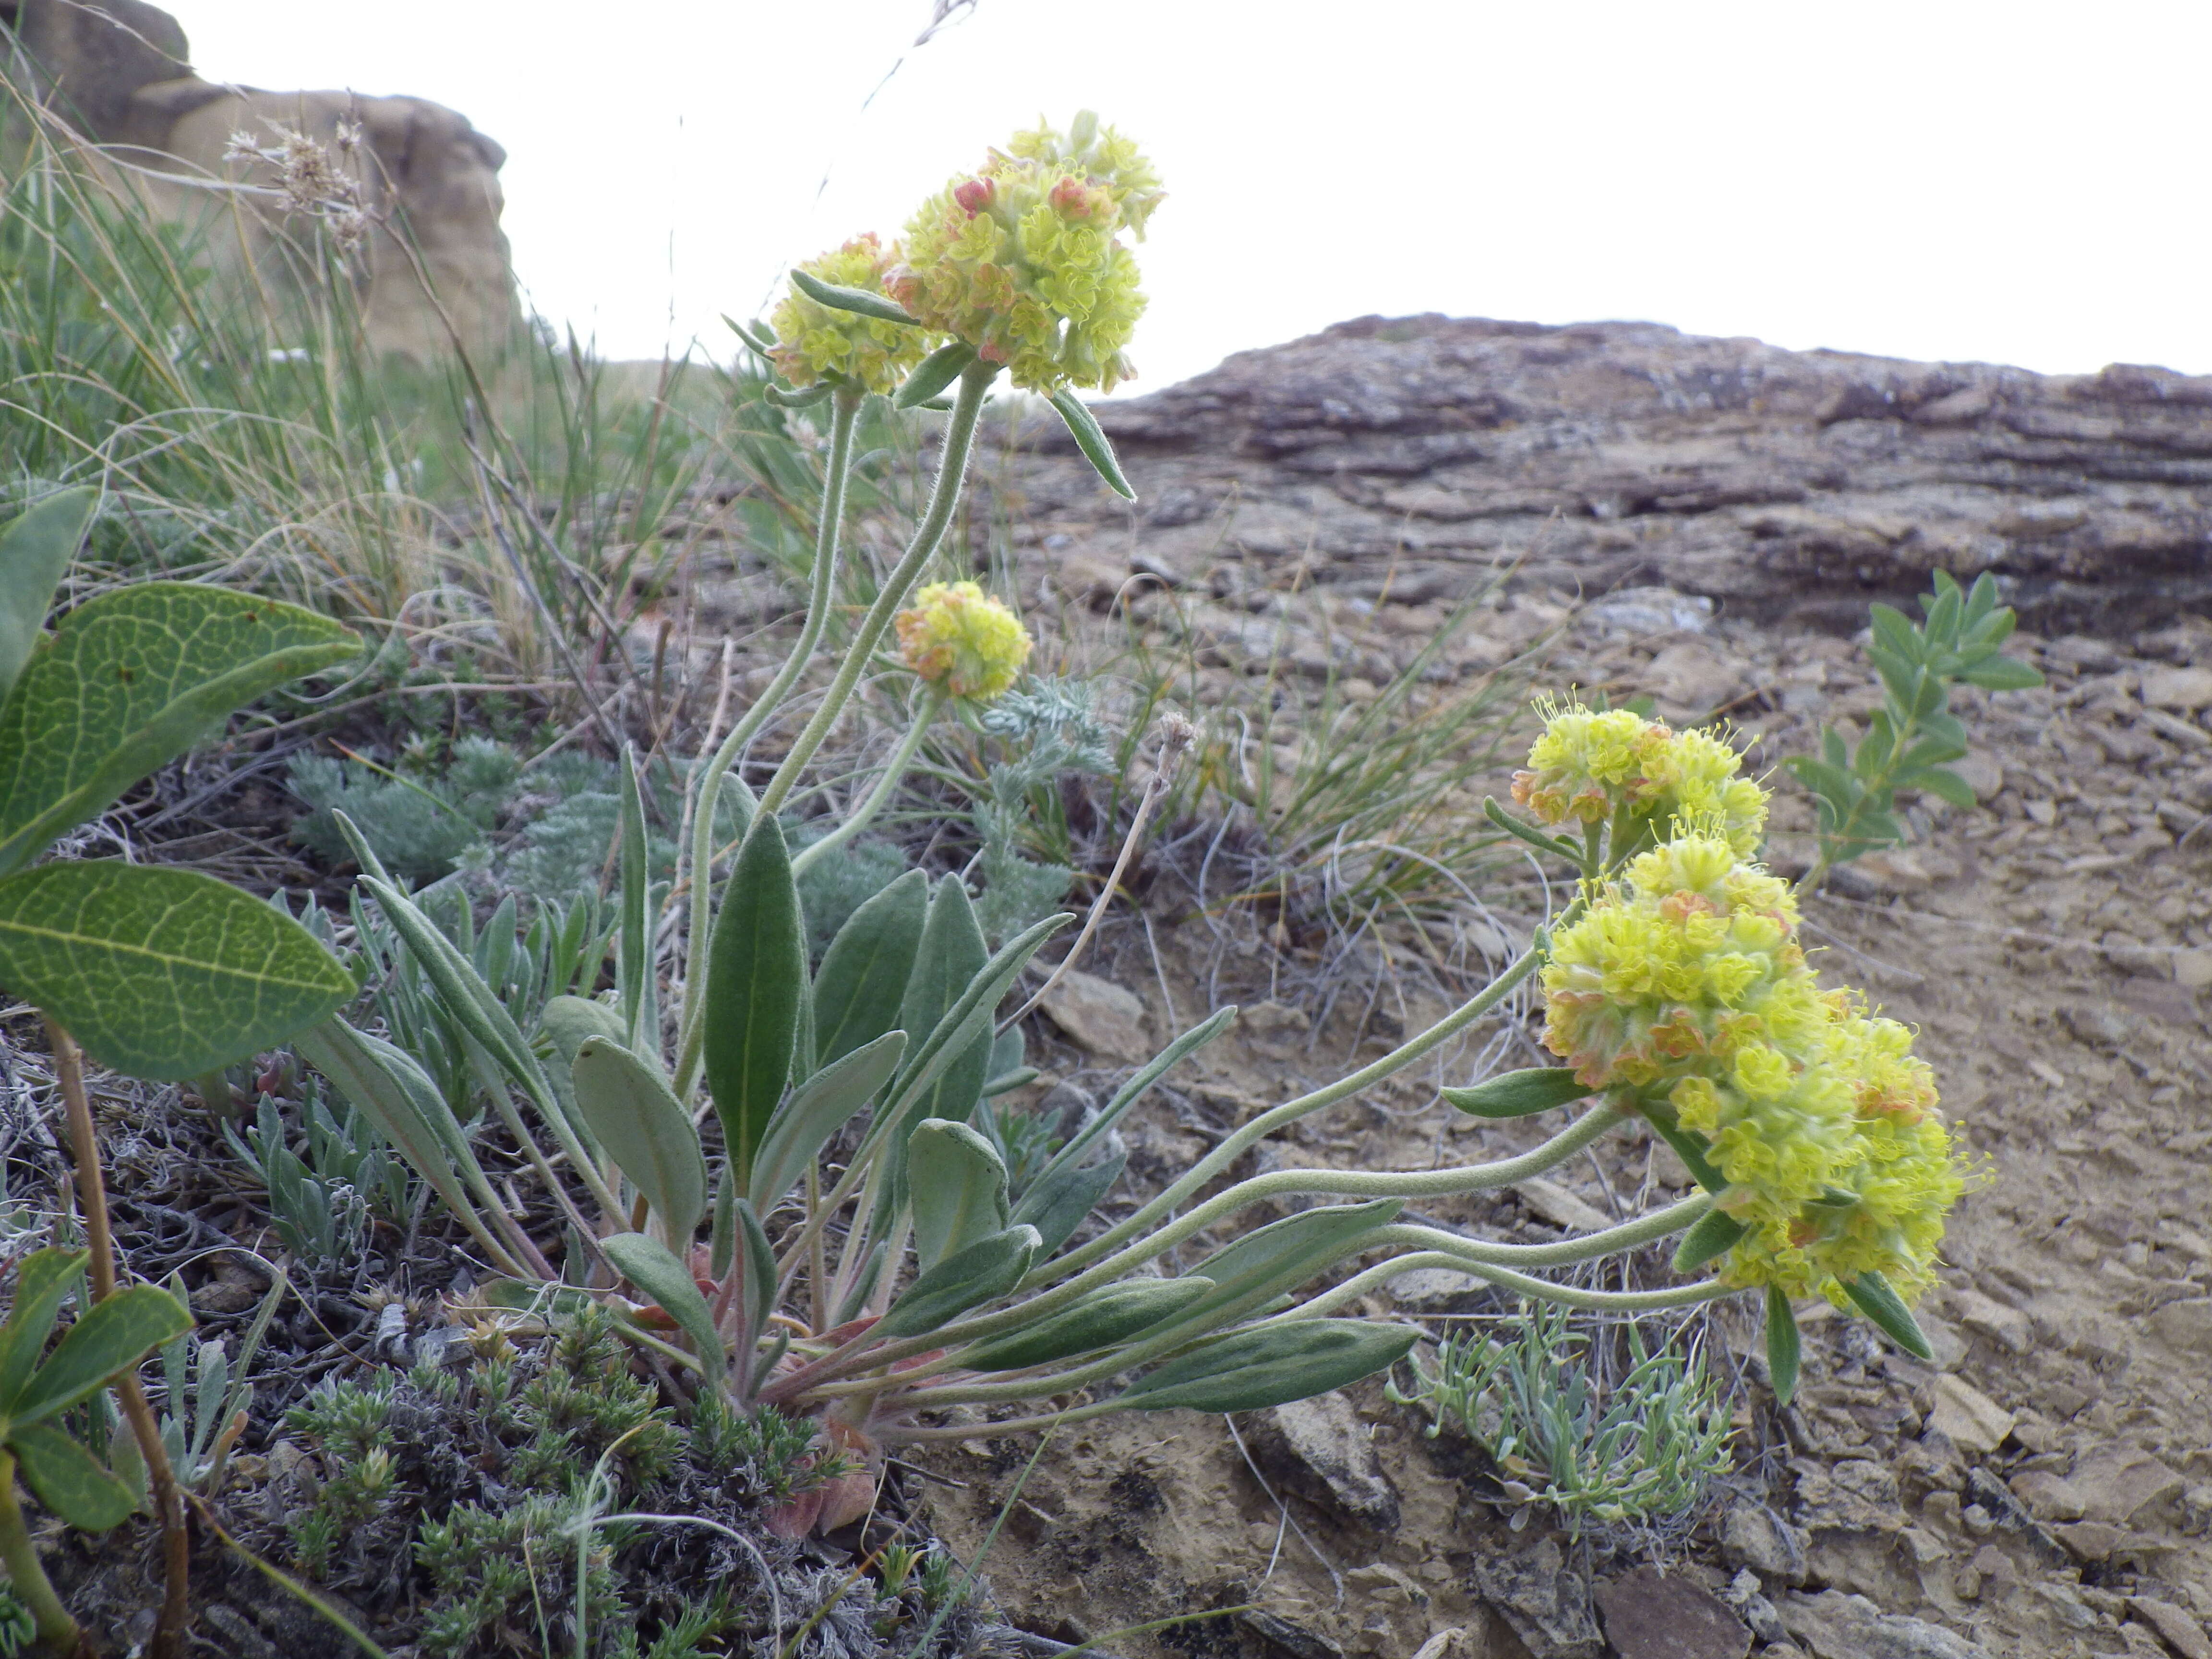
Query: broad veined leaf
[989, 1267]
[864, 972]
[755, 975]
[113, 1336]
[131, 680]
[1878, 1302]
[1712, 1234]
[1058, 1199]
[650, 1267]
[1285, 1253]
[1783, 1348]
[1519, 1094]
[35, 550]
[646, 1130]
[959, 1187]
[1109, 1315]
[1273, 1365]
[160, 972]
[44, 1279]
[817, 1109]
[69, 1480]
[1090, 438]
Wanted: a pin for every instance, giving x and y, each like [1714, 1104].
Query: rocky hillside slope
[1415, 454]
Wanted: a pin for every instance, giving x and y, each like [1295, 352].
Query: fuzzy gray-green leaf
[115, 1335]
[755, 975]
[1519, 1094]
[989, 1267]
[1112, 1314]
[647, 1132]
[41, 1282]
[650, 1267]
[815, 1110]
[132, 680]
[160, 972]
[959, 1187]
[1273, 1365]
[864, 972]
[35, 550]
[1090, 438]
[69, 1480]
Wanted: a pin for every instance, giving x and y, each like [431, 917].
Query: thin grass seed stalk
[928, 1270]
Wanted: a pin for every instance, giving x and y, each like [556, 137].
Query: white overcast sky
[2020, 182]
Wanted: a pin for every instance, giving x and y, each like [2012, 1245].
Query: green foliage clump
[421, 828]
[1637, 1456]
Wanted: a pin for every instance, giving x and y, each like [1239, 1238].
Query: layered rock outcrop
[1422, 454]
[119, 75]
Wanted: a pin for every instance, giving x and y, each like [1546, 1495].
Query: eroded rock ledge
[1424, 453]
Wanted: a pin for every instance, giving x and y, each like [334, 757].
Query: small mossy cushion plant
[160, 973]
[922, 1269]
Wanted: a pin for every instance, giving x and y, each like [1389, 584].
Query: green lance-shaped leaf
[646, 1130]
[41, 1283]
[69, 1480]
[933, 374]
[959, 1188]
[755, 975]
[115, 1335]
[816, 1110]
[1090, 438]
[648, 1265]
[857, 300]
[1135, 1089]
[35, 550]
[1712, 1234]
[989, 1267]
[1784, 1350]
[1273, 1259]
[160, 972]
[565, 1022]
[1058, 1199]
[1109, 1315]
[1878, 1302]
[1273, 1365]
[1519, 1094]
[1689, 1145]
[951, 956]
[864, 971]
[131, 680]
[759, 1264]
[634, 957]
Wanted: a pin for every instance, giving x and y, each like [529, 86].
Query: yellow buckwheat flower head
[814, 341]
[1024, 259]
[1590, 765]
[961, 641]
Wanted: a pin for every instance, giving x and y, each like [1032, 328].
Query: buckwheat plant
[779, 1183]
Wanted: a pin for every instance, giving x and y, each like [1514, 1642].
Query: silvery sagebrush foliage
[917, 1272]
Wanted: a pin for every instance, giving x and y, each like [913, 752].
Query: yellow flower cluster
[1683, 993]
[1591, 766]
[961, 641]
[814, 342]
[1024, 259]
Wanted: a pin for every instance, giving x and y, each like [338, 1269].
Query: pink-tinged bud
[1071, 199]
[974, 196]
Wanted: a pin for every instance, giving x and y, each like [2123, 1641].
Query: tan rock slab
[2050, 1496]
[1973, 1421]
[2176, 1626]
[1099, 1016]
[2187, 689]
[2119, 1483]
[2186, 1326]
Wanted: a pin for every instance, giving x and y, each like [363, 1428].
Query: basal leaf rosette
[961, 641]
[816, 343]
[1615, 766]
[1024, 259]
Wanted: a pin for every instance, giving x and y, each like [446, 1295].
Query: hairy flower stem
[879, 797]
[944, 497]
[844, 416]
[56, 1630]
[169, 1633]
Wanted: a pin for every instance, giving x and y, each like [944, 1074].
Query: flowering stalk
[894, 769]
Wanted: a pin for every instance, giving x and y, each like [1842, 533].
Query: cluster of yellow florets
[814, 342]
[1592, 768]
[1683, 992]
[1023, 261]
[961, 641]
